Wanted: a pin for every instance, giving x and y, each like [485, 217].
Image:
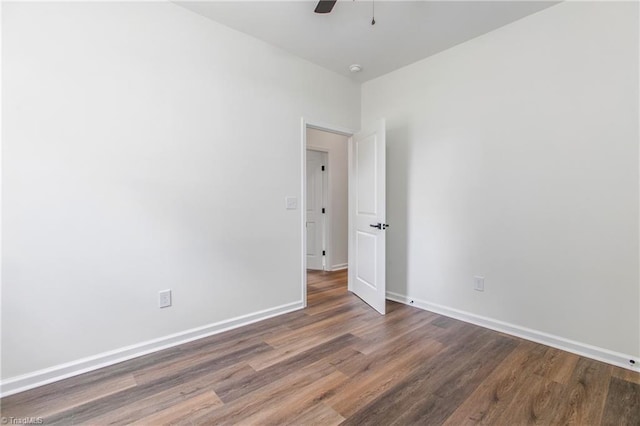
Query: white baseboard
[339, 266]
[583, 349]
[45, 376]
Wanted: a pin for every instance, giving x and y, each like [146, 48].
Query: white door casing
[367, 198]
[315, 223]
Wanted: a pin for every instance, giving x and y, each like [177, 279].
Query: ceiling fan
[325, 6]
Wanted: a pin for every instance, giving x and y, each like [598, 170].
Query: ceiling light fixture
[355, 68]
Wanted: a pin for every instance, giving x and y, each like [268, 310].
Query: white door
[316, 162]
[367, 193]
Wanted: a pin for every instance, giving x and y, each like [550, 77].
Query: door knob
[379, 225]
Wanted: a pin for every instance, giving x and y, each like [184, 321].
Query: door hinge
[323, 210]
[323, 168]
[324, 252]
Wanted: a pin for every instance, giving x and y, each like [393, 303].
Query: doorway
[325, 203]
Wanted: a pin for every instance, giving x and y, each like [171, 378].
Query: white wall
[146, 147]
[336, 146]
[515, 156]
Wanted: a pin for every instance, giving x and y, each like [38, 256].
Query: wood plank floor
[339, 362]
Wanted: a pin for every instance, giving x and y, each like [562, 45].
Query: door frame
[304, 125]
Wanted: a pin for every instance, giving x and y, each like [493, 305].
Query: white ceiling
[405, 31]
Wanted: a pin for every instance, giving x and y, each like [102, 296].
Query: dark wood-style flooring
[339, 362]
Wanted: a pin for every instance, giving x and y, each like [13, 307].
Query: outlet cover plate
[291, 203]
[164, 299]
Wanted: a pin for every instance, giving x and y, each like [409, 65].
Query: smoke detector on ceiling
[355, 68]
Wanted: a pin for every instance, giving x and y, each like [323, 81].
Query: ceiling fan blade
[325, 6]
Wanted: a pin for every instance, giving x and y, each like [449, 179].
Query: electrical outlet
[478, 283]
[164, 299]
